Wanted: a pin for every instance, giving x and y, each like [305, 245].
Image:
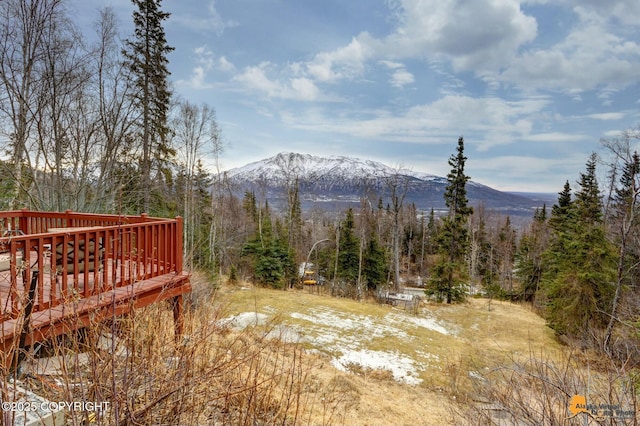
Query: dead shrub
[212, 375]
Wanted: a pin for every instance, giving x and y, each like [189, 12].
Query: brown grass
[500, 363]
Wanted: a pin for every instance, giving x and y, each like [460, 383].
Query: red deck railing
[80, 255]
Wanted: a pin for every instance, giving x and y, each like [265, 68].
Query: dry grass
[474, 364]
[214, 375]
[499, 359]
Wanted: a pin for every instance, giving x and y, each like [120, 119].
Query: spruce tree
[272, 261]
[560, 211]
[146, 57]
[486, 262]
[529, 256]
[448, 275]
[581, 263]
[374, 265]
[349, 245]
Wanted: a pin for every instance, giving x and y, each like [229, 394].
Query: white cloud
[206, 62]
[216, 22]
[304, 89]
[197, 78]
[476, 35]
[225, 65]
[257, 78]
[590, 56]
[209, 21]
[515, 172]
[491, 121]
[612, 133]
[555, 137]
[347, 62]
[626, 11]
[489, 38]
[401, 78]
[606, 116]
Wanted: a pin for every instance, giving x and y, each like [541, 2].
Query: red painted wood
[135, 258]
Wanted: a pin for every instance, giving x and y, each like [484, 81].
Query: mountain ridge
[336, 182]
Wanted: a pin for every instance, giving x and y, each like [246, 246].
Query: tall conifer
[448, 275]
[146, 56]
[581, 262]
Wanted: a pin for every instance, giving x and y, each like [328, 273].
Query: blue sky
[531, 85]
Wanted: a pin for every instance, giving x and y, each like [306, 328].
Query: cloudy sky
[531, 85]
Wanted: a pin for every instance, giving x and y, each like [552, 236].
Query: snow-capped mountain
[337, 181]
[284, 166]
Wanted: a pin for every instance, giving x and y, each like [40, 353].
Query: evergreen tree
[374, 265]
[578, 283]
[146, 57]
[432, 233]
[505, 253]
[349, 248]
[559, 224]
[250, 206]
[529, 256]
[448, 275]
[272, 262]
[486, 262]
[560, 211]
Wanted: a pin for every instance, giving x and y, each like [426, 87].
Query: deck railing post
[23, 221]
[178, 248]
[70, 222]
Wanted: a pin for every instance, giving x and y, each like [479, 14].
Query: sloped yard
[417, 364]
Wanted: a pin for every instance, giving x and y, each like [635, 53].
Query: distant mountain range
[335, 183]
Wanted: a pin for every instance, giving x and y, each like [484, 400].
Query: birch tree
[196, 132]
[24, 25]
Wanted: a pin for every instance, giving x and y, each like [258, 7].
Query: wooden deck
[61, 271]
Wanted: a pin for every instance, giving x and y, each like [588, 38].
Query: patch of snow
[345, 337]
[428, 356]
[284, 334]
[476, 375]
[244, 320]
[353, 323]
[428, 323]
[402, 367]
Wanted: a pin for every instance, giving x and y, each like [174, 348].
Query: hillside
[397, 368]
[259, 356]
[334, 183]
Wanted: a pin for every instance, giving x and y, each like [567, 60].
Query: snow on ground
[346, 337]
[429, 323]
[244, 320]
[403, 368]
[334, 325]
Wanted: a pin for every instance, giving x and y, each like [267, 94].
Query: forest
[95, 127]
